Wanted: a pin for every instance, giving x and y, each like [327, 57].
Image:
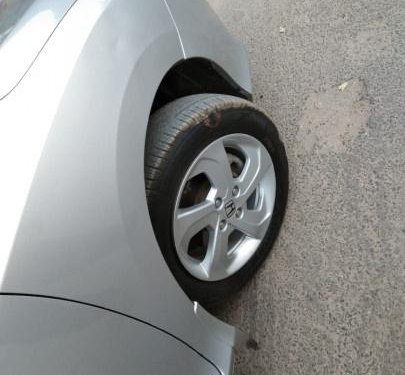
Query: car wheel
[216, 177]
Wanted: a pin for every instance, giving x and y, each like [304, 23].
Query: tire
[177, 134]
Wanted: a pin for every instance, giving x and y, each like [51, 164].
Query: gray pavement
[331, 297]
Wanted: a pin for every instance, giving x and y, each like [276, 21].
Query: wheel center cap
[230, 208]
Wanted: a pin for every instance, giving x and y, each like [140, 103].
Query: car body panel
[24, 43]
[203, 35]
[75, 222]
[42, 336]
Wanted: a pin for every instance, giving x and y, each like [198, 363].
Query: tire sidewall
[186, 148]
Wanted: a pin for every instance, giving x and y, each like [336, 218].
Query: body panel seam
[176, 27]
[29, 295]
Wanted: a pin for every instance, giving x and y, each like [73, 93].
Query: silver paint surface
[48, 336]
[257, 177]
[74, 217]
[25, 41]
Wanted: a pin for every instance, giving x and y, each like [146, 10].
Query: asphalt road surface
[331, 297]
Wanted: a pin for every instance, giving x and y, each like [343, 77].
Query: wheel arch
[196, 75]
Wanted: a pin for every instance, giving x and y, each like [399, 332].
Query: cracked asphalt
[330, 299]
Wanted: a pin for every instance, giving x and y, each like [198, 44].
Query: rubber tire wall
[177, 133]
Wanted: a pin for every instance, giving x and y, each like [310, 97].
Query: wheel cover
[224, 206]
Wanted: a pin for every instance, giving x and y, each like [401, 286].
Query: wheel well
[196, 76]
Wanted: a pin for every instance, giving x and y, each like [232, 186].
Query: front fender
[71, 156]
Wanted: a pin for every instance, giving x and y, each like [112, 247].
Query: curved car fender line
[177, 29]
[79, 237]
[27, 40]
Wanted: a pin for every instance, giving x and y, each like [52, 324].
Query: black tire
[177, 133]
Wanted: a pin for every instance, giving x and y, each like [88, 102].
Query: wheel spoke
[253, 223]
[216, 259]
[214, 163]
[203, 232]
[189, 221]
[257, 164]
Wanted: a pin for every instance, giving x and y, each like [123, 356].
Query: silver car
[138, 184]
